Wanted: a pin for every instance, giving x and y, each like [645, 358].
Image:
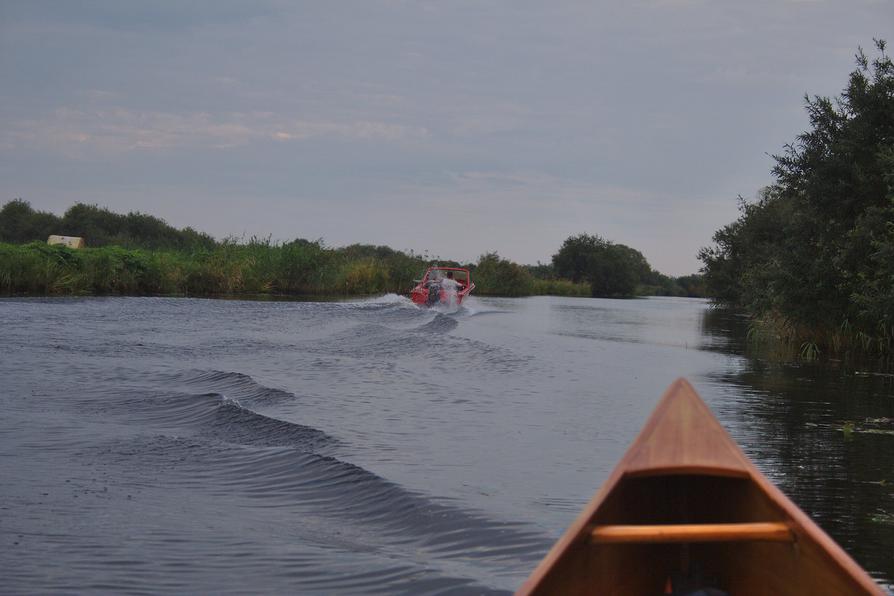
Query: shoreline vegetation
[138, 254]
[254, 268]
[812, 260]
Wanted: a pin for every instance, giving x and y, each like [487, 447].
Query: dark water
[178, 445]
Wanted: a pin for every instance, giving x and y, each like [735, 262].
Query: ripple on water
[176, 445]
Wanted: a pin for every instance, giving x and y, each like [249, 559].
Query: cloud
[515, 123]
[73, 131]
[139, 16]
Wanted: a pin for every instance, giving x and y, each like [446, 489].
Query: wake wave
[208, 441]
[173, 472]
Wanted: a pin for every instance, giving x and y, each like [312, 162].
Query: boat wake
[151, 449]
[384, 300]
[210, 435]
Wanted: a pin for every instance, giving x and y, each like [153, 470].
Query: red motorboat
[445, 286]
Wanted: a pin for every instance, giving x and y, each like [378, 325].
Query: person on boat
[449, 289]
[434, 287]
[449, 284]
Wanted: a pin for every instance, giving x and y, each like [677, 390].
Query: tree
[691, 286]
[612, 270]
[20, 223]
[815, 250]
[573, 259]
[494, 275]
[542, 270]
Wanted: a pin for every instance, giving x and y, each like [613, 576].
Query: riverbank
[253, 268]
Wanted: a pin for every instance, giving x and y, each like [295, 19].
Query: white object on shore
[69, 241]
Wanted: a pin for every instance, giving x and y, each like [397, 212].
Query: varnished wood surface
[754, 531]
[684, 469]
[682, 436]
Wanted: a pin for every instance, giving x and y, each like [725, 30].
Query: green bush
[814, 256]
[499, 277]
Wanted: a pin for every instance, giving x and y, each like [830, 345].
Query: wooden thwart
[763, 532]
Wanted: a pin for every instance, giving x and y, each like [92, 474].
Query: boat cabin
[461, 276]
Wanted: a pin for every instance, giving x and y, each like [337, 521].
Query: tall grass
[787, 339]
[258, 266]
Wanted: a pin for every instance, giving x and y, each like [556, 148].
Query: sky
[450, 128]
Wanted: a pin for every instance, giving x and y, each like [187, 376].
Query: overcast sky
[451, 127]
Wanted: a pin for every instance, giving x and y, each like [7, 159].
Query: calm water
[180, 445]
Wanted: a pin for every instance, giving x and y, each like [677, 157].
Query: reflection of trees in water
[844, 481]
[724, 330]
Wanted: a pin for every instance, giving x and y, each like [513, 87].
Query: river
[231, 446]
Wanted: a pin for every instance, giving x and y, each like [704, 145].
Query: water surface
[174, 445]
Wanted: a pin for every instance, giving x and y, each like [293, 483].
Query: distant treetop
[19, 223]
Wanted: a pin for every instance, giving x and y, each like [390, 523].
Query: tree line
[616, 271]
[812, 259]
[139, 253]
[20, 223]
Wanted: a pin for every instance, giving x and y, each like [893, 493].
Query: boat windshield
[459, 275]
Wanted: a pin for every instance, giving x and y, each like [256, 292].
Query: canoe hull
[724, 525]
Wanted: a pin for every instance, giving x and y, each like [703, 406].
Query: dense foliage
[658, 284]
[494, 275]
[19, 223]
[815, 253]
[255, 267]
[616, 270]
[141, 254]
[610, 269]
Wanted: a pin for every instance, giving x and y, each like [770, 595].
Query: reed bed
[255, 267]
[815, 342]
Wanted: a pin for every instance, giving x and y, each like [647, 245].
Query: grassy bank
[252, 268]
[139, 254]
[256, 267]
